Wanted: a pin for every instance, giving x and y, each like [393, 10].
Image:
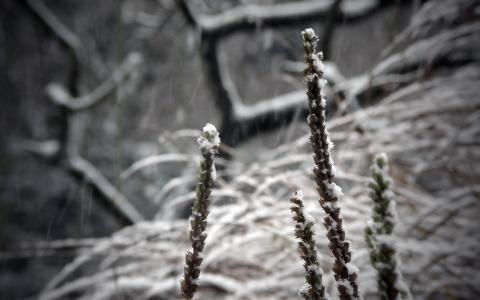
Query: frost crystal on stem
[378, 234]
[209, 142]
[330, 193]
[314, 289]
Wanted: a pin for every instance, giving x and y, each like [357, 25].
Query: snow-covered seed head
[314, 59]
[299, 194]
[309, 34]
[381, 160]
[209, 141]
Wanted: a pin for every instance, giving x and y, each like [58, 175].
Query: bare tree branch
[64, 35]
[241, 122]
[71, 122]
[249, 17]
[61, 97]
[111, 196]
[329, 28]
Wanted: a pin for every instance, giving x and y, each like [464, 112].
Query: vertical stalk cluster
[209, 142]
[330, 193]
[378, 233]
[314, 288]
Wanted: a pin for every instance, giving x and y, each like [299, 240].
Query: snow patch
[214, 172]
[299, 195]
[352, 269]
[304, 290]
[334, 190]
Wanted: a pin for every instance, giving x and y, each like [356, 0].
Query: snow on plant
[329, 192]
[314, 288]
[209, 143]
[378, 234]
[251, 252]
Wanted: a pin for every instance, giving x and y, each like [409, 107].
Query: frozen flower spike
[314, 60]
[378, 234]
[324, 171]
[209, 142]
[313, 289]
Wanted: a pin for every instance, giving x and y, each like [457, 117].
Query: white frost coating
[382, 156]
[322, 82]
[392, 209]
[313, 268]
[311, 38]
[386, 240]
[402, 287]
[334, 190]
[309, 33]
[330, 145]
[303, 290]
[308, 218]
[388, 194]
[323, 102]
[348, 287]
[352, 269]
[214, 172]
[383, 171]
[319, 68]
[331, 205]
[300, 226]
[209, 140]
[299, 194]
[310, 77]
[334, 170]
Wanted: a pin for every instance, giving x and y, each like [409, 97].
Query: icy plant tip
[310, 40]
[309, 33]
[209, 141]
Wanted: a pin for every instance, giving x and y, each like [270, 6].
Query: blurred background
[102, 102]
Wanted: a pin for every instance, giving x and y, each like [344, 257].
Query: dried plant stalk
[330, 193]
[209, 142]
[378, 233]
[314, 288]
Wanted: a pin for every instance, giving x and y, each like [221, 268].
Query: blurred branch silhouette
[72, 102]
[241, 122]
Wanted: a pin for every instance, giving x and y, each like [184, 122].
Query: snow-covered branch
[249, 17]
[241, 122]
[66, 152]
[60, 96]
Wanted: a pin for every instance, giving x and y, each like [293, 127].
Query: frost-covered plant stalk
[330, 193]
[313, 289]
[209, 142]
[378, 233]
